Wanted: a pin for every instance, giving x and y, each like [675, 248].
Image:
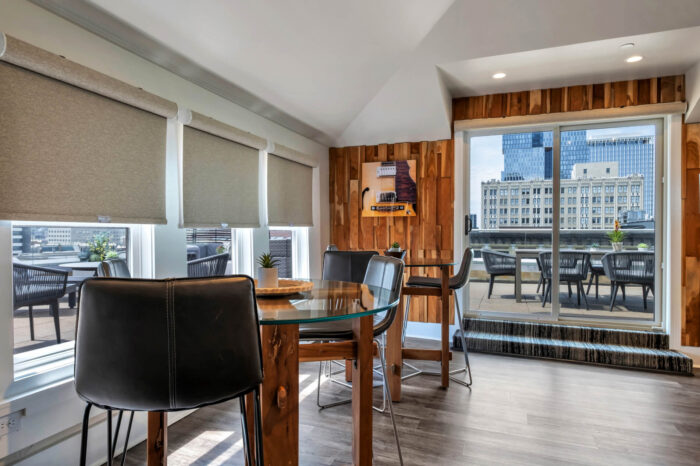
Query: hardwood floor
[519, 411]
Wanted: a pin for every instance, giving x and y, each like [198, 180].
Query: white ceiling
[371, 71]
[665, 53]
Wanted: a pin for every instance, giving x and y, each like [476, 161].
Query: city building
[592, 198]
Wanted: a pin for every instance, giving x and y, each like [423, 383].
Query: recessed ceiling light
[634, 59]
[628, 45]
[499, 75]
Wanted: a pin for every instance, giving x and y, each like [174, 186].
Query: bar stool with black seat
[384, 272]
[167, 345]
[456, 282]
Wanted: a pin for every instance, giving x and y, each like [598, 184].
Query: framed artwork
[389, 189]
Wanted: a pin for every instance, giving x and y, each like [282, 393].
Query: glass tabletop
[429, 262]
[328, 300]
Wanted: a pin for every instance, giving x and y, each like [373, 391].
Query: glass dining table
[280, 318]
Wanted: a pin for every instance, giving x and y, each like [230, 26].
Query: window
[70, 251]
[236, 242]
[290, 247]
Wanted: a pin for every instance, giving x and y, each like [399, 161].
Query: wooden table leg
[362, 380]
[250, 417]
[348, 370]
[280, 394]
[157, 439]
[394, 353]
[445, 363]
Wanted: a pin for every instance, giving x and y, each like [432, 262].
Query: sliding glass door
[568, 186]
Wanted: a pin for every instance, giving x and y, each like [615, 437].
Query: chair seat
[431, 282]
[336, 329]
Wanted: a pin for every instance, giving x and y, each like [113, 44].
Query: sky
[486, 158]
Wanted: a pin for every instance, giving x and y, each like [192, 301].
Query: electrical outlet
[10, 423]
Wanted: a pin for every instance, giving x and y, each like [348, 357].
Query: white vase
[267, 277]
[617, 246]
[394, 249]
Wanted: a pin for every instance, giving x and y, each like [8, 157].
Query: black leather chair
[384, 272]
[115, 268]
[346, 266]
[457, 282]
[167, 345]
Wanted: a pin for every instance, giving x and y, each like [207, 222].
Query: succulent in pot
[642, 247]
[395, 247]
[267, 272]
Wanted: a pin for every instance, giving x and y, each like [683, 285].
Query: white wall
[52, 409]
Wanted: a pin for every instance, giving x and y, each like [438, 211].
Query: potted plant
[267, 272]
[642, 247]
[594, 247]
[395, 247]
[616, 236]
[99, 248]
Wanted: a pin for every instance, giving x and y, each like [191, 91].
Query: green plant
[99, 247]
[221, 249]
[643, 246]
[595, 245]
[396, 245]
[112, 255]
[617, 235]
[266, 261]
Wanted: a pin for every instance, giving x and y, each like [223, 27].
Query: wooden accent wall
[429, 234]
[690, 198]
[571, 99]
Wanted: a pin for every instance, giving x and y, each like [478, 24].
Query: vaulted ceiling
[372, 71]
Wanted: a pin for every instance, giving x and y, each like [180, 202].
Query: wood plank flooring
[519, 411]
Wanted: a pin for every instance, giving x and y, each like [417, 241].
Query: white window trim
[300, 252]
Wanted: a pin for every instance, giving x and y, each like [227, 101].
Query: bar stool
[167, 345]
[457, 282]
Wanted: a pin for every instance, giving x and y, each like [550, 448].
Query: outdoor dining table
[281, 354]
[84, 266]
[521, 254]
[396, 353]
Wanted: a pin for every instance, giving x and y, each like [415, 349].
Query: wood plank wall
[611, 95]
[571, 99]
[429, 234]
[690, 198]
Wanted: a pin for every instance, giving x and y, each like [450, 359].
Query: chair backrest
[630, 266]
[212, 266]
[572, 264]
[115, 268]
[36, 285]
[496, 262]
[385, 272]
[346, 266]
[462, 276]
[163, 345]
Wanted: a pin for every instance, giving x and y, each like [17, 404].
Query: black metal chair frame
[498, 264]
[212, 266]
[596, 271]
[32, 286]
[573, 268]
[620, 268]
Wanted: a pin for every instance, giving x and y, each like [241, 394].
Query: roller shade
[76, 145]
[289, 191]
[219, 175]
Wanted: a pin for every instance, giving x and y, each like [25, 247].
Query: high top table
[281, 354]
[395, 353]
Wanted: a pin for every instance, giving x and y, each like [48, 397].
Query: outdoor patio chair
[497, 264]
[573, 268]
[596, 271]
[115, 268]
[34, 286]
[211, 266]
[629, 268]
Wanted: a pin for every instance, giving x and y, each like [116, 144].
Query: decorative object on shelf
[389, 189]
[642, 247]
[616, 236]
[267, 272]
[395, 247]
[395, 251]
[284, 287]
[594, 247]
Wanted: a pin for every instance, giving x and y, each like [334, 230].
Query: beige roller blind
[77, 145]
[289, 192]
[219, 181]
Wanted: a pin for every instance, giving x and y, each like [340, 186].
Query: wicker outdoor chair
[497, 264]
[573, 268]
[35, 286]
[633, 268]
[212, 266]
